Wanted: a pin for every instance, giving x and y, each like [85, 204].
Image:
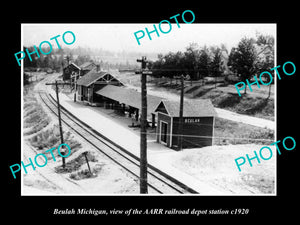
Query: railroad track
[158, 181]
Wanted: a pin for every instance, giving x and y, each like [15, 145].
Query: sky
[120, 37]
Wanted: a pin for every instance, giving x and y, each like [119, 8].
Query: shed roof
[74, 65]
[191, 108]
[129, 97]
[93, 76]
[86, 64]
[90, 78]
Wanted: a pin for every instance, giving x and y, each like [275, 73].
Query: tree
[191, 60]
[215, 65]
[56, 63]
[242, 59]
[194, 61]
[265, 59]
[34, 57]
[25, 79]
[168, 65]
[46, 61]
[82, 59]
[204, 62]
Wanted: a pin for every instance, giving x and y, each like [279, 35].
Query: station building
[72, 70]
[198, 123]
[99, 88]
[69, 70]
[93, 81]
[126, 99]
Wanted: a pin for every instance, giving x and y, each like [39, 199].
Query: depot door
[163, 132]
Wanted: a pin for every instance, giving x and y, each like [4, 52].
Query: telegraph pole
[180, 125]
[143, 142]
[75, 87]
[59, 122]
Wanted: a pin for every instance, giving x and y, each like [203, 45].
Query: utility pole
[143, 142]
[59, 122]
[70, 83]
[180, 125]
[75, 87]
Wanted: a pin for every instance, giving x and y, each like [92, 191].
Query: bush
[83, 174]
[227, 100]
[34, 116]
[38, 127]
[232, 79]
[76, 163]
[51, 138]
[262, 134]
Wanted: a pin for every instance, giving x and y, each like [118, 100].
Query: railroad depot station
[102, 89]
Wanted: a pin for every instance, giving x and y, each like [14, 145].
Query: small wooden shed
[70, 69]
[198, 123]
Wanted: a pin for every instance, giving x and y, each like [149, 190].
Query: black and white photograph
[200, 133]
[141, 111]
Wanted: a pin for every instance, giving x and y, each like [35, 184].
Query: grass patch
[76, 163]
[190, 89]
[230, 132]
[51, 138]
[259, 107]
[84, 174]
[224, 96]
[42, 124]
[227, 100]
[263, 183]
[34, 117]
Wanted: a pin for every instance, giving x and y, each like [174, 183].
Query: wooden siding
[196, 134]
[166, 119]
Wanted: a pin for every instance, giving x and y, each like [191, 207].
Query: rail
[158, 181]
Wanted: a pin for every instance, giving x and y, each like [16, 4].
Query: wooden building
[87, 67]
[123, 98]
[99, 88]
[71, 69]
[198, 123]
[91, 82]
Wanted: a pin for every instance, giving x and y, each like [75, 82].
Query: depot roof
[191, 108]
[93, 76]
[129, 97]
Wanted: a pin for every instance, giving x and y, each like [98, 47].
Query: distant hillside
[107, 59]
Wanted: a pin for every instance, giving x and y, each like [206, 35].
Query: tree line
[60, 58]
[250, 57]
[195, 61]
[53, 61]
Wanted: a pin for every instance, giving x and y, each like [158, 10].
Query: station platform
[117, 130]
